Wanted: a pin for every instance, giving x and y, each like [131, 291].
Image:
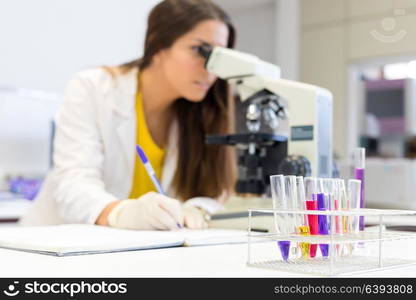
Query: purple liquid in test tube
[323, 225]
[278, 191]
[284, 247]
[359, 166]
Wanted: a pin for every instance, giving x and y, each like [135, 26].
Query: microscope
[298, 117]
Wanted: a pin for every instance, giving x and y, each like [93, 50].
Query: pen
[151, 172]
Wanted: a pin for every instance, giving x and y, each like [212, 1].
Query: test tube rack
[372, 247]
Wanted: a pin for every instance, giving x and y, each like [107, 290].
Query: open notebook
[76, 239]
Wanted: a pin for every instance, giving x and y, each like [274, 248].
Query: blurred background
[363, 51]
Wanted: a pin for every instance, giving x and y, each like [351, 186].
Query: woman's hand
[194, 217]
[151, 211]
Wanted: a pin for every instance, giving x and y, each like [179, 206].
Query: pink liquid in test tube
[337, 218]
[313, 224]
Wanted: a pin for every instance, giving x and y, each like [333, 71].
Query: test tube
[323, 220]
[344, 204]
[331, 188]
[294, 221]
[359, 166]
[311, 187]
[278, 189]
[336, 206]
[354, 194]
[303, 229]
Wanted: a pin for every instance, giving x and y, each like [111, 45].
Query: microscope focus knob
[295, 165]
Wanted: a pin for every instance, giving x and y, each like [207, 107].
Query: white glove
[149, 212]
[194, 217]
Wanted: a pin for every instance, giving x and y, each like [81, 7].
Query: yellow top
[141, 180]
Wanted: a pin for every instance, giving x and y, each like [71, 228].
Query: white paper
[74, 239]
[77, 238]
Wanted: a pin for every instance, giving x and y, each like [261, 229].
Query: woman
[166, 102]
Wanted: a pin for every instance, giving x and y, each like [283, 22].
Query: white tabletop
[204, 261]
[201, 261]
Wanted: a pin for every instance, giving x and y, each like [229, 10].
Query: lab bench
[199, 261]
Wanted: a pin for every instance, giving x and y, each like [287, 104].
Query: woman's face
[184, 68]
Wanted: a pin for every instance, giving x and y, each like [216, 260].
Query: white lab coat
[94, 152]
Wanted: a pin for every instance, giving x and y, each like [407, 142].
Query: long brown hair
[202, 170]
